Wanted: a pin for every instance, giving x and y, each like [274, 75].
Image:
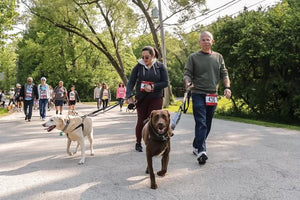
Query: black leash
[96, 112]
[182, 108]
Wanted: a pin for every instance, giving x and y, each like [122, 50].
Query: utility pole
[167, 91]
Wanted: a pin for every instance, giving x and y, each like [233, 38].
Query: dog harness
[159, 137]
[68, 123]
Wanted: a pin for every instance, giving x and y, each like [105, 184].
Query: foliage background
[260, 48]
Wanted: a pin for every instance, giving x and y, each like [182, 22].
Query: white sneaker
[195, 151]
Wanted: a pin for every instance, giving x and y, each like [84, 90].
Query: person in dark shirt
[149, 77]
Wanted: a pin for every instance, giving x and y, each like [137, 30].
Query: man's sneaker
[138, 147]
[202, 157]
[195, 151]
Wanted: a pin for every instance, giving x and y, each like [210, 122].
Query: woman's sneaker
[202, 157]
[138, 147]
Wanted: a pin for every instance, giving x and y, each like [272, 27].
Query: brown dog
[156, 135]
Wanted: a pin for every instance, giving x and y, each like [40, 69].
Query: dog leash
[96, 112]
[182, 108]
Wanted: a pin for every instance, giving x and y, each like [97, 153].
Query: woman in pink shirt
[121, 92]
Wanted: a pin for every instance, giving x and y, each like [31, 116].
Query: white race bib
[211, 99]
[144, 83]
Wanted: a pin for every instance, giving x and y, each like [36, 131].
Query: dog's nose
[160, 125]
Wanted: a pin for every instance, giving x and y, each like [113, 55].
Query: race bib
[144, 83]
[72, 96]
[43, 94]
[211, 99]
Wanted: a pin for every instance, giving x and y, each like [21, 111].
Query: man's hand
[227, 93]
[188, 85]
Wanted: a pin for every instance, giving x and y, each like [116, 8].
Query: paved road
[245, 162]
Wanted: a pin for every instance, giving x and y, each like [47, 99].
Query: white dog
[75, 128]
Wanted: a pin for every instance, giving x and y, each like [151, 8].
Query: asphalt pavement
[245, 162]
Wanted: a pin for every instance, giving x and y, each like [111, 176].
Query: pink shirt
[121, 92]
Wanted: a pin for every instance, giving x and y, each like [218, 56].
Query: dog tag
[211, 99]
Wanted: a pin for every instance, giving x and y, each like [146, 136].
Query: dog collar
[159, 137]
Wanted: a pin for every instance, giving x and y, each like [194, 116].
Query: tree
[8, 60]
[107, 25]
[7, 17]
[46, 50]
[261, 53]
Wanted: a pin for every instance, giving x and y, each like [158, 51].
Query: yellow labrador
[75, 128]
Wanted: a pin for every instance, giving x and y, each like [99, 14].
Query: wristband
[227, 88]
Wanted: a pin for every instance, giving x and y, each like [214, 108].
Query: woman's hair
[120, 84]
[152, 51]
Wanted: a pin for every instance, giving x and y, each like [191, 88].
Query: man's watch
[227, 88]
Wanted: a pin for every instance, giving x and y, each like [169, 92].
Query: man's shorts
[72, 103]
[59, 102]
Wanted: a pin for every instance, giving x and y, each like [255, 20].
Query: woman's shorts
[59, 102]
[72, 103]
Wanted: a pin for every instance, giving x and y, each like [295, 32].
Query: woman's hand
[148, 88]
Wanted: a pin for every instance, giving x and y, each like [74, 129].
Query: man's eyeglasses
[145, 57]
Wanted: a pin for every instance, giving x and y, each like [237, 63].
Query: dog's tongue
[161, 130]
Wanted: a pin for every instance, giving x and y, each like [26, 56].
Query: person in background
[105, 95]
[28, 94]
[97, 91]
[17, 97]
[149, 77]
[121, 92]
[50, 101]
[202, 73]
[12, 96]
[73, 98]
[44, 96]
[2, 98]
[60, 95]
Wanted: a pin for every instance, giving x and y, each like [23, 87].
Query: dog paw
[70, 154]
[74, 152]
[154, 186]
[81, 162]
[161, 173]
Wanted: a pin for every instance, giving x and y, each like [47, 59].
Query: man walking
[28, 93]
[202, 73]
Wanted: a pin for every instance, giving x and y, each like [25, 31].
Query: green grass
[3, 111]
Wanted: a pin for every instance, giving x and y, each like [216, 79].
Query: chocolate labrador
[156, 135]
